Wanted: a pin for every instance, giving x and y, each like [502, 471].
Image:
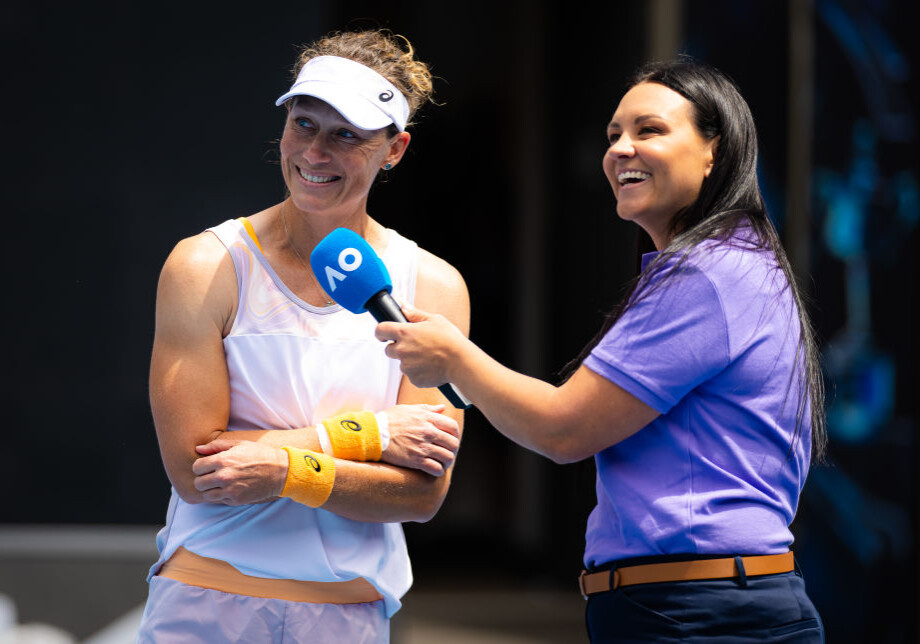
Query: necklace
[290, 241]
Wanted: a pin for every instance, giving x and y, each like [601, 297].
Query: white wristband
[323, 437]
[383, 424]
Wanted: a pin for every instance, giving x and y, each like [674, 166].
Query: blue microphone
[353, 275]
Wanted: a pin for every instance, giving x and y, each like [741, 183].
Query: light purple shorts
[182, 614]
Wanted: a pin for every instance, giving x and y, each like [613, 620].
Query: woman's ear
[398, 145]
[713, 153]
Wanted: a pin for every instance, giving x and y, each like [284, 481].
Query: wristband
[323, 436]
[310, 477]
[383, 424]
[354, 436]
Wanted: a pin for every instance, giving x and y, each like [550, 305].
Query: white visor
[365, 98]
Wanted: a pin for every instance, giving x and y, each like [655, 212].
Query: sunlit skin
[652, 134]
[329, 164]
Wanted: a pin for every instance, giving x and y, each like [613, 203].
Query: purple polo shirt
[712, 348]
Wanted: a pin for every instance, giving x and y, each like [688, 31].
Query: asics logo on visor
[385, 96]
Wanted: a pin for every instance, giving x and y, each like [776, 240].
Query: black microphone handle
[385, 309]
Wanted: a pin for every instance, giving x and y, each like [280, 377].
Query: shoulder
[674, 297]
[436, 274]
[196, 259]
[440, 288]
[676, 276]
[738, 268]
[743, 250]
[198, 256]
[723, 263]
[198, 274]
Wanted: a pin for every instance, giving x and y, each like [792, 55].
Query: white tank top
[292, 364]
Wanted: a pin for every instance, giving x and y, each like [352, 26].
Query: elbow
[182, 479]
[187, 491]
[555, 434]
[564, 447]
[425, 514]
[566, 455]
[427, 505]
[191, 499]
[562, 458]
[178, 458]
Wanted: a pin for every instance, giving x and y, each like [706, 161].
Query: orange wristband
[354, 436]
[310, 477]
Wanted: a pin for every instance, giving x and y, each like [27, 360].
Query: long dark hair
[729, 197]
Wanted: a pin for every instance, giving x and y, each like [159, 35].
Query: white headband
[364, 97]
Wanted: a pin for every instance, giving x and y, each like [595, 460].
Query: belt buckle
[614, 581]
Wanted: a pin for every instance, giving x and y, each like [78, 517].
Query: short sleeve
[673, 338]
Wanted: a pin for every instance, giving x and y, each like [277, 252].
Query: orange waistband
[204, 572]
[695, 570]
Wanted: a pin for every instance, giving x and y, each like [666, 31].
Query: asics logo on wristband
[312, 462]
[309, 481]
[354, 436]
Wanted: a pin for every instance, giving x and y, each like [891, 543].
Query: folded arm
[190, 398]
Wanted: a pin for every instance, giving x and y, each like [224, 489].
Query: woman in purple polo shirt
[700, 399]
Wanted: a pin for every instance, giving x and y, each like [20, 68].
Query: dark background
[129, 127]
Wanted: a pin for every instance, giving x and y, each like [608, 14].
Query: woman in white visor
[294, 446]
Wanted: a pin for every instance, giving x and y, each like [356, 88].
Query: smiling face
[657, 158]
[329, 164]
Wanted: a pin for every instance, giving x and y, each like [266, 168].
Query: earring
[388, 166]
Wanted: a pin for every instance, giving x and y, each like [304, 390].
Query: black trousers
[771, 608]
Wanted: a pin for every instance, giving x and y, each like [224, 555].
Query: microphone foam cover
[349, 270]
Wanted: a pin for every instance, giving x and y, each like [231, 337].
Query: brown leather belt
[204, 572]
[697, 569]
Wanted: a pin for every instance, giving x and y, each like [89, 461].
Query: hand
[424, 348]
[236, 472]
[422, 438]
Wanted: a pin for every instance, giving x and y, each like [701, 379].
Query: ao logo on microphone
[341, 254]
[349, 260]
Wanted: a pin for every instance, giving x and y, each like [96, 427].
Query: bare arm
[189, 384]
[568, 423]
[422, 438]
